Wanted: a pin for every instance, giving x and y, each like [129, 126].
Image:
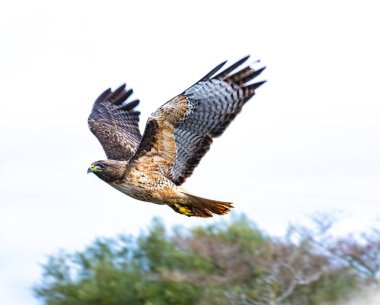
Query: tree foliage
[228, 263]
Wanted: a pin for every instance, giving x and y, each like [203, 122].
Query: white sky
[308, 141]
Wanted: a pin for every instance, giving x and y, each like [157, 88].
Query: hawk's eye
[100, 166]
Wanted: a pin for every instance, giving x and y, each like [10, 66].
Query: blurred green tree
[228, 263]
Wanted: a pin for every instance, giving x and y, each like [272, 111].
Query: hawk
[177, 135]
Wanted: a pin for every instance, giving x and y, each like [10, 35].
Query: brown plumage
[177, 136]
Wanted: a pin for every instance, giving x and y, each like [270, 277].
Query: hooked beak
[92, 169]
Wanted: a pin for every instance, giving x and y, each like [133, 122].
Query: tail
[202, 207]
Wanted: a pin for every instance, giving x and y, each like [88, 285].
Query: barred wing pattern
[115, 123]
[181, 131]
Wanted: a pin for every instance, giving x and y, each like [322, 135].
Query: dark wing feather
[180, 132]
[115, 122]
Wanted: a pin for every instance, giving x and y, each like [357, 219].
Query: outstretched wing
[115, 122]
[180, 132]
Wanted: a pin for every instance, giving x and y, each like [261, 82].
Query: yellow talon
[183, 210]
[186, 211]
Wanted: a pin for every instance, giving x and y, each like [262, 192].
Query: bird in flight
[177, 135]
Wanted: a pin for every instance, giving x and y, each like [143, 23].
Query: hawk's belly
[152, 187]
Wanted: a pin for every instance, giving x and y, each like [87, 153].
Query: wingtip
[222, 64]
[103, 95]
[258, 71]
[119, 90]
[245, 58]
[231, 68]
[128, 94]
[256, 85]
[122, 87]
[131, 105]
[213, 71]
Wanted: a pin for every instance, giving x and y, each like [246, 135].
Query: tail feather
[202, 207]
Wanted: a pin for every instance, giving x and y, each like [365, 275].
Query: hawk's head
[108, 170]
